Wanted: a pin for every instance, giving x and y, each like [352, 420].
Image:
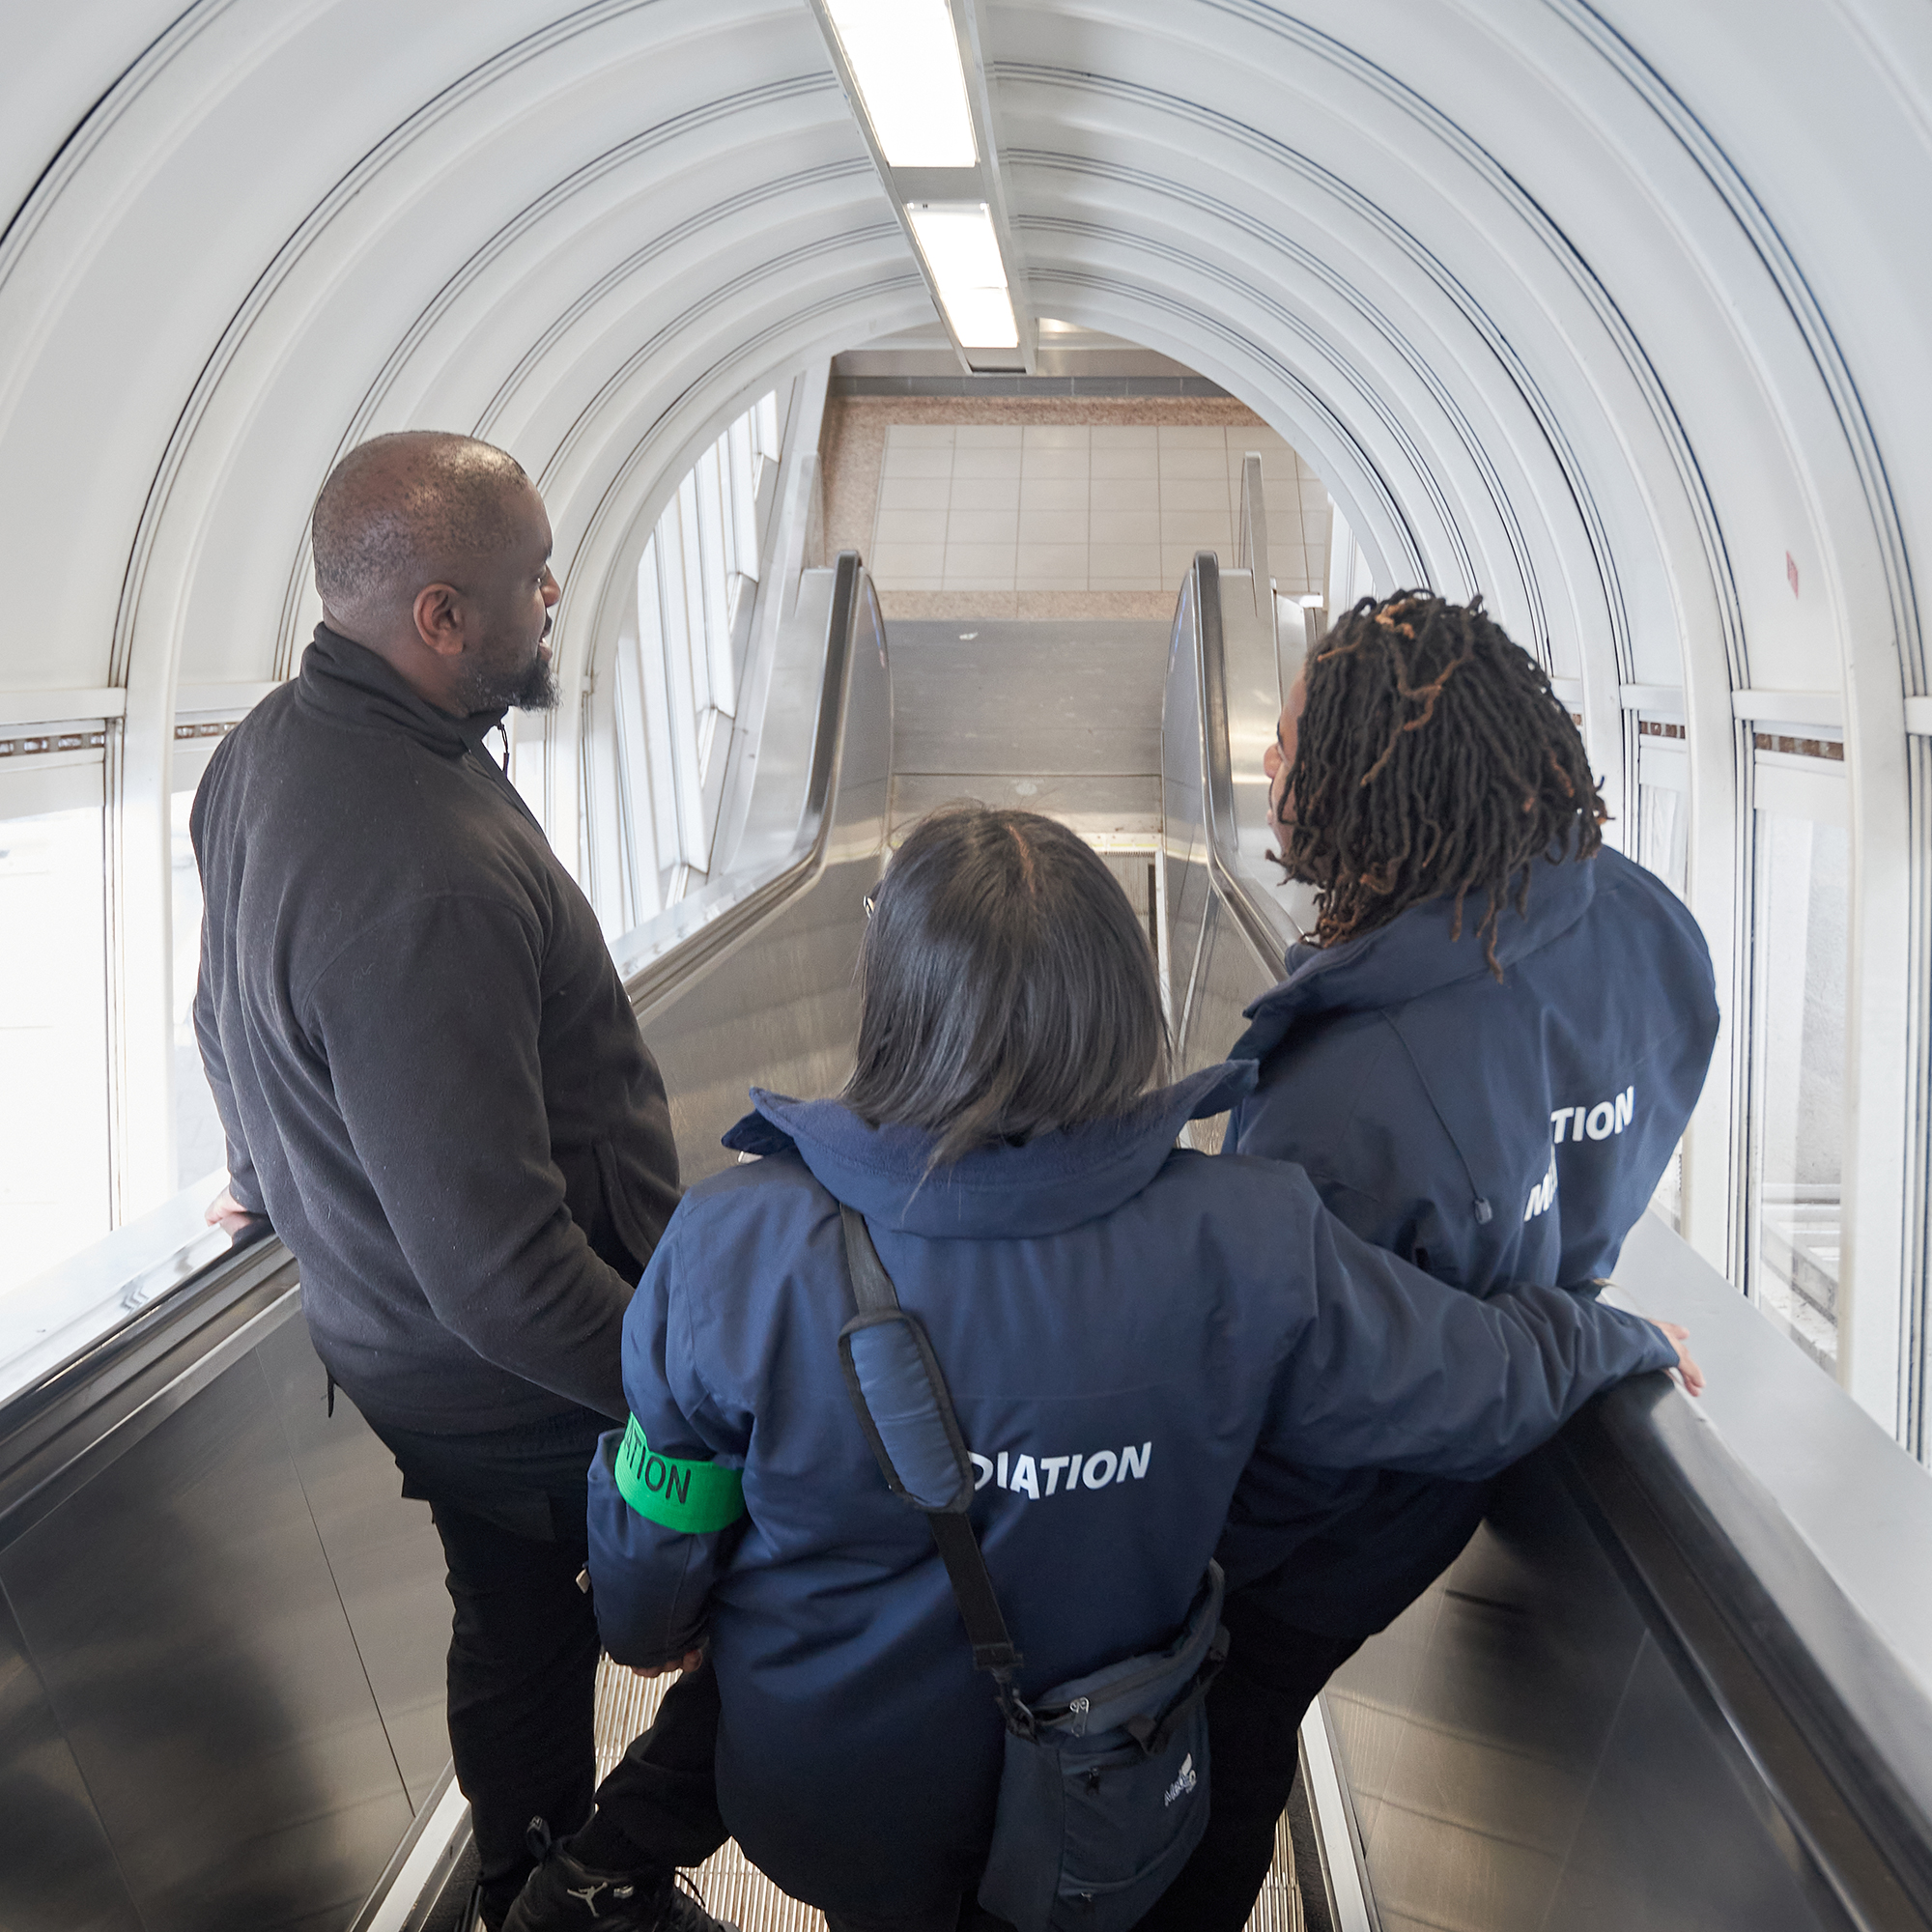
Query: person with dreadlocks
[1484, 1059]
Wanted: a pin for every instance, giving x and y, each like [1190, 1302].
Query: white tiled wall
[1071, 507]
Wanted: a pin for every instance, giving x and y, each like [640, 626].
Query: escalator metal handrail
[1264, 925]
[744, 905]
[53, 1422]
[53, 1419]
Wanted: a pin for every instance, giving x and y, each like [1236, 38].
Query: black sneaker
[565, 1895]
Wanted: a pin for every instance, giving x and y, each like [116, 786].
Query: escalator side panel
[384, 1557]
[784, 1006]
[180, 1612]
[794, 1026]
[60, 1870]
[1680, 1831]
[1523, 1755]
[1224, 983]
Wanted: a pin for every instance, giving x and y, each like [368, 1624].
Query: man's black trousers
[510, 1506]
[1254, 1708]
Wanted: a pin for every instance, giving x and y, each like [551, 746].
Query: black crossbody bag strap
[958, 1548]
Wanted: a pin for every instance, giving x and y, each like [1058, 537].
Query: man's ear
[439, 618]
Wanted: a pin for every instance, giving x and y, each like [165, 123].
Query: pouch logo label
[1184, 1784]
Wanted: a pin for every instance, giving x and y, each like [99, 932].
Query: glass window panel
[54, 1185]
[653, 702]
[714, 536]
[1799, 957]
[698, 569]
[1663, 821]
[744, 490]
[684, 616]
[200, 1146]
[684, 664]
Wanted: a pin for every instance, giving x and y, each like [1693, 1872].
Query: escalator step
[734, 1888]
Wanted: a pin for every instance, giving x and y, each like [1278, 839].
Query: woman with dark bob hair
[1137, 1340]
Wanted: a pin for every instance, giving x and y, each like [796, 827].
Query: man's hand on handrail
[227, 1214]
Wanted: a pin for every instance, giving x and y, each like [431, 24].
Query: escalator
[1680, 1678]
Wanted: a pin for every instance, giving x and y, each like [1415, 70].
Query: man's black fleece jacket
[430, 1077]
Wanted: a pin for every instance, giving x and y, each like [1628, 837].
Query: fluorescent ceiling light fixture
[963, 254]
[982, 318]
[958, 244]
[905, 57]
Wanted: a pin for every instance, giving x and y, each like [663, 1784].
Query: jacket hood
[349, 684]
[1052, 1182]
[1414, 954]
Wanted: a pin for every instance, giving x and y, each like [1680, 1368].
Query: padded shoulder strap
[965, 1565]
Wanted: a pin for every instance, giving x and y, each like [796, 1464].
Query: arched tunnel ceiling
[1620, 313]
[1607, 312]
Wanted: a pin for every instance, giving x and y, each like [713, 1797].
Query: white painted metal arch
[1616, 312]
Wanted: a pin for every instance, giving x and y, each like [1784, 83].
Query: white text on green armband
[689, 1496]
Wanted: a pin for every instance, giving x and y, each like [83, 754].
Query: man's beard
[492, 688]
[536, 689]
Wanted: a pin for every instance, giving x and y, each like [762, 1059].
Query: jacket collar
[349, 684]
[1414, 954]
[1052, 1182]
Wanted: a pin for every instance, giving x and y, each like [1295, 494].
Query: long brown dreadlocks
[1432, 757]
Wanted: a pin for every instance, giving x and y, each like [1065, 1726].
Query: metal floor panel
[191, 1645]
[1105, 807]
[734, 1888]
[985, 705]
[1524, 1758]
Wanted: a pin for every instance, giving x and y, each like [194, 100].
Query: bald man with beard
[432, 1084]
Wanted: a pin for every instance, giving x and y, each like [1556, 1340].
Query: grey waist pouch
[1104, 1789]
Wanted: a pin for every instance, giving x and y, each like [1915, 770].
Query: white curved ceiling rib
[1618, 313]
[1487, 263]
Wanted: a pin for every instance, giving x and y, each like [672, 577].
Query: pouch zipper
[1080, 1707]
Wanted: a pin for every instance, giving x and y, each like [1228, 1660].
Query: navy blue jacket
[1487, 1130]
[1125, 1328]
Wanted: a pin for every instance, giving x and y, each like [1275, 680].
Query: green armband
[689, 1496]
